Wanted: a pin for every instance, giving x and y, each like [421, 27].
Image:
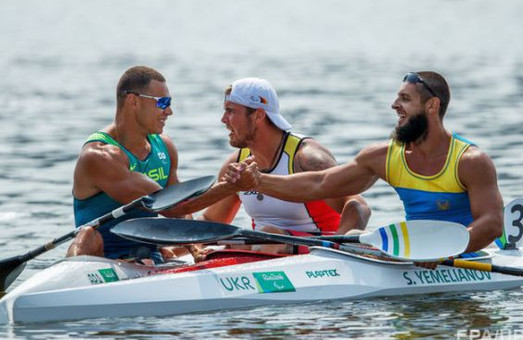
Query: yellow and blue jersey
[437, 197]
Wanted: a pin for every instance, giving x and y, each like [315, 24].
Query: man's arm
[104, 167]
[173, 178]
[226, 209]
[223, 210]
[478, 174]
[219, 190]
[354, 211]
[173, 155]
[339, 181]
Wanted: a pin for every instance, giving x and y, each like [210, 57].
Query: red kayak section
[226, 257]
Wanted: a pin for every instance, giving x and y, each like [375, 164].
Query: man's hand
[244, 175]
[198, 252]
[427, 265]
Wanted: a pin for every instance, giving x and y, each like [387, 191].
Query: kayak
[93, 287]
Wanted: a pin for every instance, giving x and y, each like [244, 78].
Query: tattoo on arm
[314, 159]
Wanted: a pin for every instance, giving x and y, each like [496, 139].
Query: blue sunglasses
[161, 102]
[414, 78]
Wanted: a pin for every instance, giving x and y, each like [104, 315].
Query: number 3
[511, 220]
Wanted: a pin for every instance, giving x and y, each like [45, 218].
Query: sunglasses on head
[414, 78]
[161, 102]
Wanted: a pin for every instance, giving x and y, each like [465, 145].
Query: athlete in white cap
[258, 129]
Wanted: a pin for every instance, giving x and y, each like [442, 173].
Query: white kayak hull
[92, 287]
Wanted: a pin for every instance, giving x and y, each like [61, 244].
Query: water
[336, 65]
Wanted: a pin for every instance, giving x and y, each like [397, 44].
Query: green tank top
[155, 166]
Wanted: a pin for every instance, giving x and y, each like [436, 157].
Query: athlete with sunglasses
[438, 175]
[128, 159]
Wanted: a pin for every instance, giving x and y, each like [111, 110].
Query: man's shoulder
[163, 137]
[474, 157]
[167, 141]
[375, 149]
[96, 161]
[312, 156]
[374, 156]
[99, 152]
[476, 168]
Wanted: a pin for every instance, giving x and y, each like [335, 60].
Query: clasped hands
[245, 175]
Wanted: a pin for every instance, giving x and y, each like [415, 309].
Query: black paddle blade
[9, 270]
[180, 192]
[165, 231]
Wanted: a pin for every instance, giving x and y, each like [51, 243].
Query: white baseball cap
[258, 93]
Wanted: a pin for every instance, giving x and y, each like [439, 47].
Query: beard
[245, 140]
[414, 130]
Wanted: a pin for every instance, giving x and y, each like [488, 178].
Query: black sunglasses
[414, 78]
[161, 102]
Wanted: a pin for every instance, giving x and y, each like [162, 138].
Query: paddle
[163, 199]
[412, 240]
[512, 225]
[483, 267]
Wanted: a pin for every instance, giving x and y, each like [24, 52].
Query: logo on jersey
[157, 174]
[443, 204]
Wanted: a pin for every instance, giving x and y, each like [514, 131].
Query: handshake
[244, 175]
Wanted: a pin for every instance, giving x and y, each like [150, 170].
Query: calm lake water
[336, 66]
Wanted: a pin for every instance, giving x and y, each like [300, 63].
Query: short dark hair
[136, 79]
[439, 85]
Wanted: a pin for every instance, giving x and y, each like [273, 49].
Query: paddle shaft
[487, 267]
[143, 201]
[356, 248]
[297, 240]
[11, 267]
[248, 241]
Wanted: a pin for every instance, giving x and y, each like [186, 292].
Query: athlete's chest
[424, 165]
